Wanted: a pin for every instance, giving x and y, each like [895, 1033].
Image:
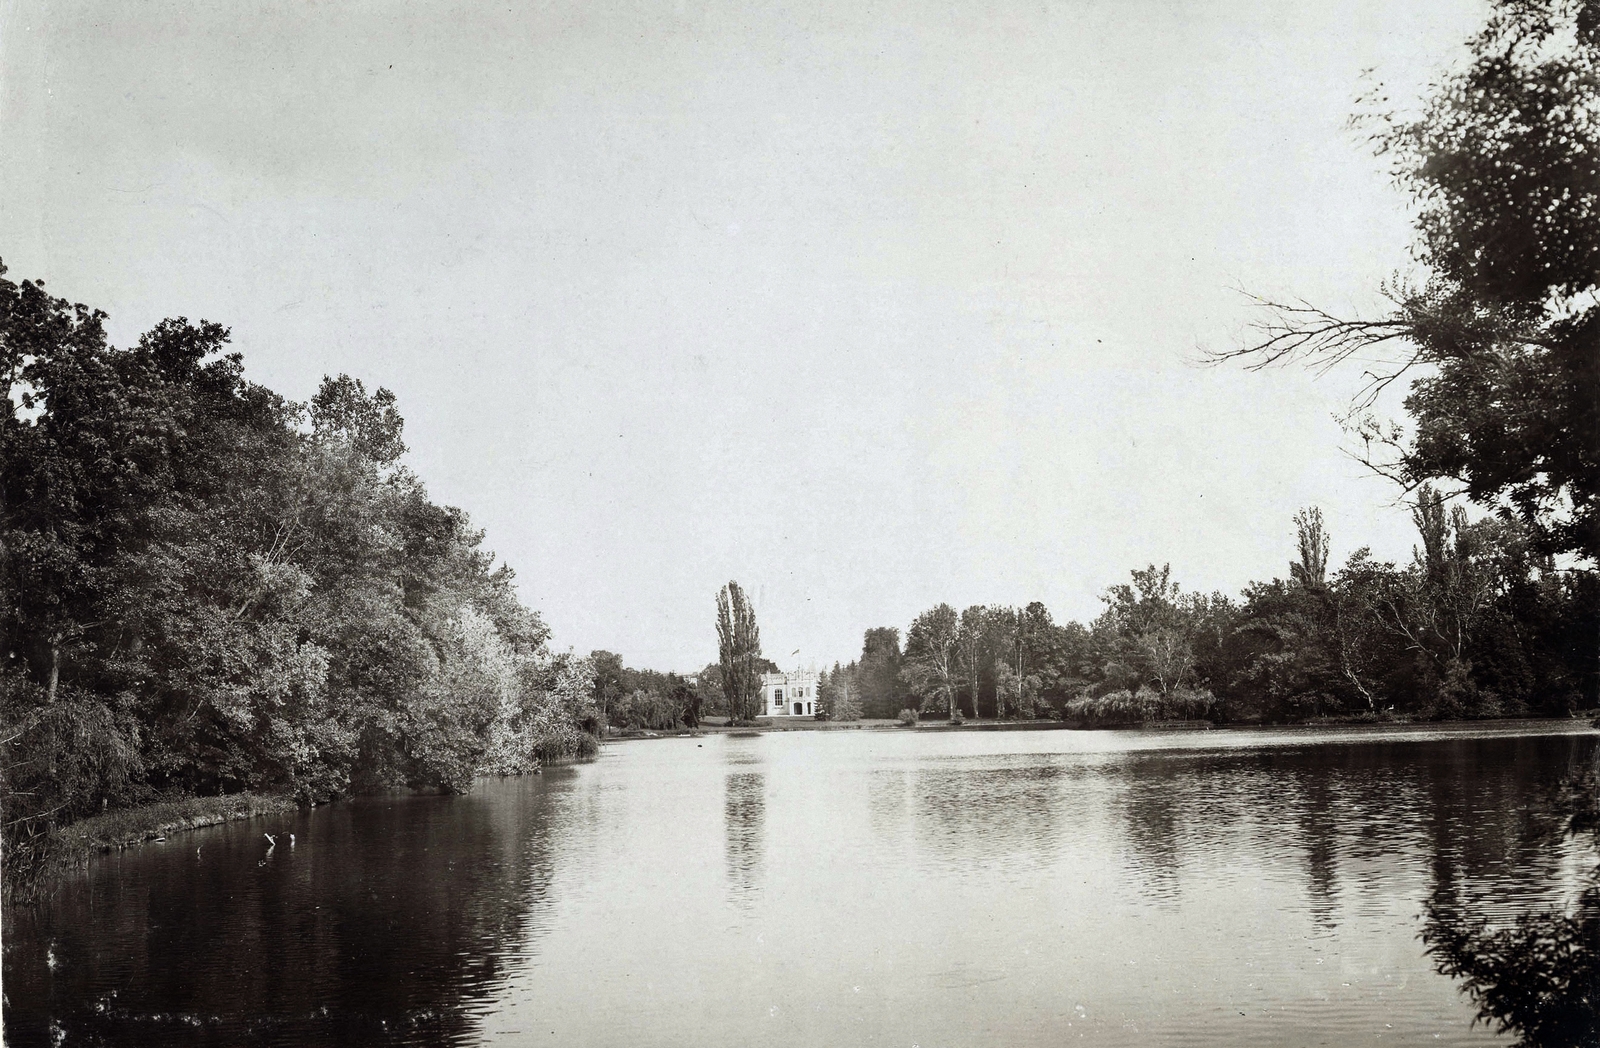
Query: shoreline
[126, 827]
[69, 849]
[1584, 718]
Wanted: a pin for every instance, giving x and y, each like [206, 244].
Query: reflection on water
[743, 808]
[378, 922]
[1223, 888]
[1150, 808]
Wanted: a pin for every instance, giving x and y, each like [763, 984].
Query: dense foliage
[838, 695]
[1479, 624]
[1499, 334]
[645, 699]
[208, 588]
[875, 683]
[1500, 337]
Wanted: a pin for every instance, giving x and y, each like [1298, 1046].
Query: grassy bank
[32, 871]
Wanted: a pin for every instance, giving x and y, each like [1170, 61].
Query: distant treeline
[208, 588]
[626, 698]
[1479, 624]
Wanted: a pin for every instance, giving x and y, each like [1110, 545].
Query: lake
[913, 888]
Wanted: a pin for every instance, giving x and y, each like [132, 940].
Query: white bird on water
[272, 842]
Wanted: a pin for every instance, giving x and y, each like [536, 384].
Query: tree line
[1482, 622]
[1478, 624]
[209, 588]
[633, 699]
[1499, 335]
[1496, 340]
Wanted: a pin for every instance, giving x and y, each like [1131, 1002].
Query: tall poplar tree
[738, 652]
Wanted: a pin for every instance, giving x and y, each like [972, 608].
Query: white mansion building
[789, 694]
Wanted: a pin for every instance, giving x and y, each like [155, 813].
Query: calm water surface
[826, 888]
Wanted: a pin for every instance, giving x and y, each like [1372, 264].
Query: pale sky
[865, 305]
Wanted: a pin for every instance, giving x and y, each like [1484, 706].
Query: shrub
[1147, 704]
[908, 718]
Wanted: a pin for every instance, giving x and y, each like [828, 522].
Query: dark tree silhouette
[1500, 334]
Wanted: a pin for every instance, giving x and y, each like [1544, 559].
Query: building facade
[789, 694]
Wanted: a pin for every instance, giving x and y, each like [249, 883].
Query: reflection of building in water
[789, 694]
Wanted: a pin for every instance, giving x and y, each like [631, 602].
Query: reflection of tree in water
[1005, 816]
[888, 799]
[1487, 841]
[1538, 973]
[1463, 800]
[744, 812]
[1319, 829]
[1313, 799]
[1156, 792]
[382, 925]
[1180, 808]
[1345, 810]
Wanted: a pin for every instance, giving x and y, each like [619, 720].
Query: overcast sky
[866, 305]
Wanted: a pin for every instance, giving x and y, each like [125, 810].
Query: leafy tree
[1358, 652]
[931, 657]
[209, 588]
[1311, 570]
[975, 648]
[1451, 587]
[838, 693]
[1499, 336]
[1280, 654]
[1032, 632]
[708, 686]
[371, 426]
[1143, 634]
[608, 683]
[687, 700]
[540, 716]
[1280, 657]
[1009, 641]
[739, 653]
[1068, 661]
[882, 689]
[650, 709]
